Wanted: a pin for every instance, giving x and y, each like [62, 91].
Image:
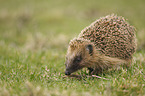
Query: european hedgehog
[108, 42]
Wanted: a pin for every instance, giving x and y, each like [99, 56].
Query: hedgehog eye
[78, 59]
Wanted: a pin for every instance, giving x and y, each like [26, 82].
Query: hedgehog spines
[109, 41]
[113, 35]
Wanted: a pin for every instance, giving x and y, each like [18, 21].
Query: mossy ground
[34, 35]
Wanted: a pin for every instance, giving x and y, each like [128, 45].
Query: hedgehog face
[77, 56]
[73, 63]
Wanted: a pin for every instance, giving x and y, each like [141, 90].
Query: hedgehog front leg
[96, 71]
[90, 70]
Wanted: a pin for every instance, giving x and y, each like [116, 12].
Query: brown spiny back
[112, 35]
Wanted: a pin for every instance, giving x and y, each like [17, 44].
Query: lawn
[34, 35]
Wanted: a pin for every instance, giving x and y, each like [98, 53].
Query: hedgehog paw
[90, 70]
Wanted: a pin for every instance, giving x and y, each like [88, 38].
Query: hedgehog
[107, 43]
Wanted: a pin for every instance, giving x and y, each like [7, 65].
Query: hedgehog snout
[67, 72]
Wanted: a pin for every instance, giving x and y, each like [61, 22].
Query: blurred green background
[23, 22]
[34, 35]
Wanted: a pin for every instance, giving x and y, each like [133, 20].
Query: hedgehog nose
[67, 72]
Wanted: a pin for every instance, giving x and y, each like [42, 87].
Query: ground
[34, 35]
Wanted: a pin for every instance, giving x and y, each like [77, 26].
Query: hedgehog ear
[89, 48]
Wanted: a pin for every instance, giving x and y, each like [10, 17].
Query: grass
[34, 35]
